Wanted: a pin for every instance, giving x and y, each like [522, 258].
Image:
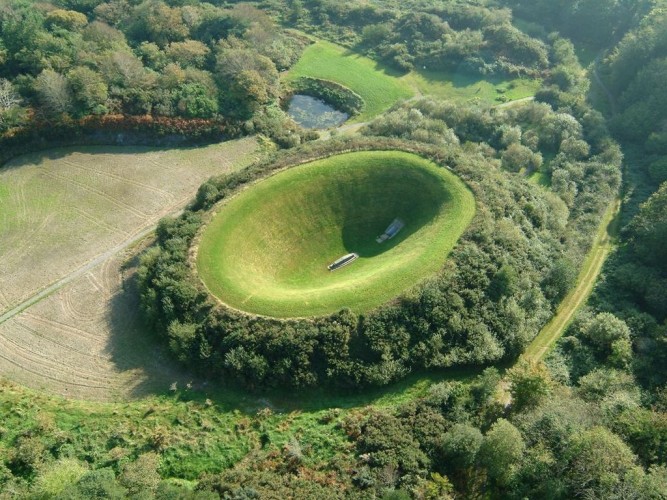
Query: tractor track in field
[77, 333]
[77, 273]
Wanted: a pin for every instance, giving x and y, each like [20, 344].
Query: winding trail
[602, 246]
[600, 250]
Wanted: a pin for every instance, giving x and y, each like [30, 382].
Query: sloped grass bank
[267, 251]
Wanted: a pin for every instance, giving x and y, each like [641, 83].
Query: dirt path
[602, 246]
[516, 101]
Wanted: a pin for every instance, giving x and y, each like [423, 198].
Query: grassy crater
[267, 250]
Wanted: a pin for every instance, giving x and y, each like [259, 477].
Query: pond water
[310, 112]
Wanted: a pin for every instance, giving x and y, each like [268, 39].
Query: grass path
[602, 246]
[523, 100]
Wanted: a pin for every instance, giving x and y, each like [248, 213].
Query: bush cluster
[489, 300]
[336, 95]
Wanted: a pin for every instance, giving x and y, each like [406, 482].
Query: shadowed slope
[267, 251]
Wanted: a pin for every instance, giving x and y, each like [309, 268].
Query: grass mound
[267, 251]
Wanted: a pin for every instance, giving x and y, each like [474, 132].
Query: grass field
[61, 211]
[466, 87]
[267, 251]
[381, 87]
[378, 86]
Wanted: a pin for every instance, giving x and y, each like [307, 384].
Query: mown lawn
[267, 250]
[466, 87]
[381, 87]
[378, 86]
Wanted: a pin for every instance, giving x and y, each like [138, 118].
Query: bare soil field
[68, 220]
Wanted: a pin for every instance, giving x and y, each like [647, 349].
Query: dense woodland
[68, 61]
[591, 422]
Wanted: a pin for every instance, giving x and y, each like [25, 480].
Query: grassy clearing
[602, 246]
[466, 87]
[381, 87]
[60, 210]
[267, 251]
[540, 179]
[378, 86]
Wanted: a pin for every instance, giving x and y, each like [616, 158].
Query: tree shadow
[378, 66]
[133, 347]
[56, 153]
[51, 152]
[459, 78]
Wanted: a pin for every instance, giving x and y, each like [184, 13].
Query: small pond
[310, 112]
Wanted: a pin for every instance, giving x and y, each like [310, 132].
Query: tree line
[71, 60]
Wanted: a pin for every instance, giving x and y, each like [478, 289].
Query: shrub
[333, 93]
